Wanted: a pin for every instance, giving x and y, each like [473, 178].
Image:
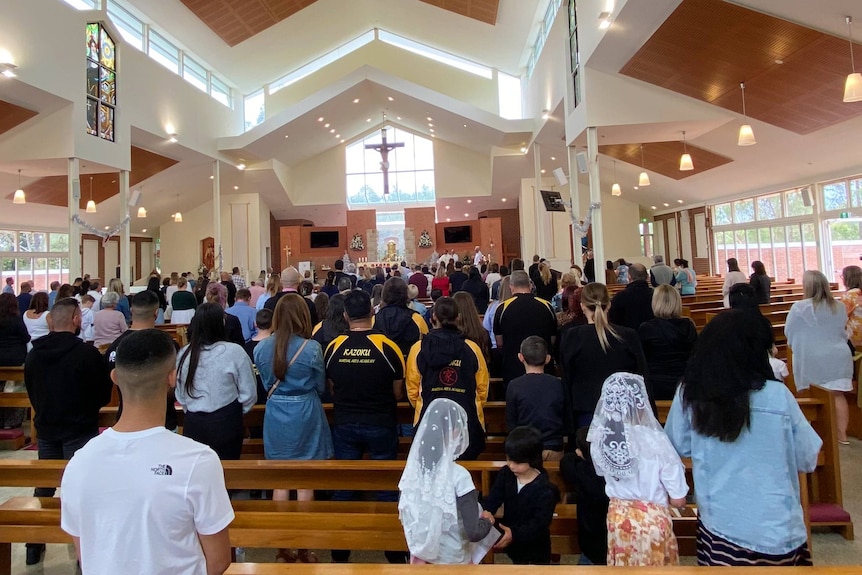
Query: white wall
[180, 243]
[459, 172]
[547, 86]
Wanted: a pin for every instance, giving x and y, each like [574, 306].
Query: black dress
[762, 286]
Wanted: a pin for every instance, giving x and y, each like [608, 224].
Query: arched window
[411, 172]
[101, 82]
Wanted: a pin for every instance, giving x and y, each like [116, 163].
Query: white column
[125, 234]
[596, 196]
[74, 189]
[541, 222]
[217, 218]
[575, 196]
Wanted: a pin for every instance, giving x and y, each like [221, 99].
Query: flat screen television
[324, 239]
[458, 234]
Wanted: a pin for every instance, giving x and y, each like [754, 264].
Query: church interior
[176, 135]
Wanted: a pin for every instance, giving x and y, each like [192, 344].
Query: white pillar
[541, 222]
[596, 196]
[125, 234]
[217, 219]
[575, 196]
[74, 189]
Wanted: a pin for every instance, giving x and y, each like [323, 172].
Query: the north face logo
[162, 469]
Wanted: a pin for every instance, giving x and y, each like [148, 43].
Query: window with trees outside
[411, 171]
[34, 256]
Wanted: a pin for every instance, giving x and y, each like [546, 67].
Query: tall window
[37, 257]
[573, 53]
[101, 82]
[254, 109]
[411, 171]
[647, 239]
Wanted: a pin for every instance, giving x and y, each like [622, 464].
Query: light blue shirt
[747, 491]
[261, 301]
[246, 316]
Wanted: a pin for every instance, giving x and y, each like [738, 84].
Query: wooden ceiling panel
[707, 47]
[663, 157]
[481, 10]
[12, 115]
[53, 190]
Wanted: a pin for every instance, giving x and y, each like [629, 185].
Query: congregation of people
[581, 368]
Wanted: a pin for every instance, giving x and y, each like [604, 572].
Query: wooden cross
[384, 148]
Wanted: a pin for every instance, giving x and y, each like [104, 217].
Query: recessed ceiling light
[523, 149]
[107, 227]
[432, 130]
[430, 125]
[326, 125]
[447, 207]
[356, 100]
[212, 177]
[398, 117]
[553, 159]
[342, 141]
[240, 167]
[433, 135]
[466, 215]
[465, 125]
[236, 187]
[332, 130]
[666, 205]
[338, 136]
[320, 119]
[543, 171]
[368, 120]
[777, 61]
[679, 201]
[144, 230]
[653, 207]
[504, 199]
[430, 119]
[448, 219]
[637, 188]
[469, 201]
[390, 98]
[286, 136]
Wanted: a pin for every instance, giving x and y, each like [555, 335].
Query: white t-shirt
[137, 501]
[455, 547]
[779, 368]
[653, 482]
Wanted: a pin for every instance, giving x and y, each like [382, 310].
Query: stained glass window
[101, 82]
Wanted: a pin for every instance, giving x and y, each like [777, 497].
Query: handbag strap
[291, 362]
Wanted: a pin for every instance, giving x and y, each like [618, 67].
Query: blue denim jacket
[747, 491]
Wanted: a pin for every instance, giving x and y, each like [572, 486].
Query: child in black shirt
[528, 498]
[537, 399]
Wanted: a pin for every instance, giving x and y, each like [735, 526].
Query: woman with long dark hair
[334, 323]
[469, 324]
[13, 350]
[760, 281]
[734, 276]
[291, 370]
[38, 318]
[476, 288]
[748, 441]
[215, 384]
[153, 286]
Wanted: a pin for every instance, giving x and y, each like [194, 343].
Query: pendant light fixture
[615, 189]
[19, 193]
[178, 217]
[643, 179]
[853, 84]
[746, 134]
[685, 163]
[142, 211]
[91, 205]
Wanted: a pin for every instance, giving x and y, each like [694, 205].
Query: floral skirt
[713, 550]
[640, 534]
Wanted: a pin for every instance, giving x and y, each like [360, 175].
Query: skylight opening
[435, 54]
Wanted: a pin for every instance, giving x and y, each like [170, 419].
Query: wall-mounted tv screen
[324, 239]
[458, 234]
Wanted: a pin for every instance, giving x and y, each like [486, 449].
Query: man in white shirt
[139, 499]
[478, 256]
[445, 259]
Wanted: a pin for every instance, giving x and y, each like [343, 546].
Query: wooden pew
[12, 439]
[383, 569]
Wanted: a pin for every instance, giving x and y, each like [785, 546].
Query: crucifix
[384, 148]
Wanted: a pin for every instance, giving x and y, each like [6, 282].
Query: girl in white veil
[641, 470]
[439, 506]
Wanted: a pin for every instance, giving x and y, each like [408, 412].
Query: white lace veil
[427, 506]
[625, 430]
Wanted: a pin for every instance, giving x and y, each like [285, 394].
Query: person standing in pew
[447, 365]
[748, 441]
[138, 499]
[589, 489]
[145, 310]
[528, 499]
[439, 505]
[67, 382]
[365, 372]
[537, 399]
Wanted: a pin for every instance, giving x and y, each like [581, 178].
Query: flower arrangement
[425, 239]
[356, 243]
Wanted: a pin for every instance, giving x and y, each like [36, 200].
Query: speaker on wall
[583, 164]
[135, 198]
[560, 176]
[76, 190]
[807, 200]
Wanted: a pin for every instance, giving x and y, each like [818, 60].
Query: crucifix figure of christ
[384, 148]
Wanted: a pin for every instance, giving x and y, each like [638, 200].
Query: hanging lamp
[853, 84]
[615, 189]
[91, 205]
[142, 211]
[685, 163]
[19, 193]
[746, 134]
[643, 179]
[178, 217]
